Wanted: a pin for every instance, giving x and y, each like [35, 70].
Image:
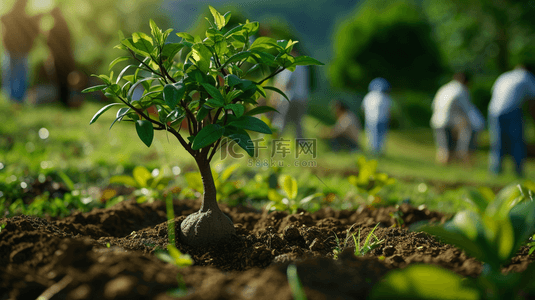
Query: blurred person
[477, 122]
[19, 32]
[506, 125]
[62, 66]
[376, 105]
[345, 133]
[451, 120]
[296, 86]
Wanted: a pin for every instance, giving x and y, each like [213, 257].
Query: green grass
[90, 154]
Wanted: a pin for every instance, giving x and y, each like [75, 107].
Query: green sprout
[492, 232]
[368, 245]
[286, 199]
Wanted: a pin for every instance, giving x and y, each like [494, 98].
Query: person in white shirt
[451, 119]
[376, 105]
[296, 86]
[345, 133]
[509, 93]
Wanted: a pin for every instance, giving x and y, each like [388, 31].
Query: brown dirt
[69, 259]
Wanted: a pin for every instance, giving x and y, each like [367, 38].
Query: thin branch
[270, 76]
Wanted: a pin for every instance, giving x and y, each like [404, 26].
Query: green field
[50, 140]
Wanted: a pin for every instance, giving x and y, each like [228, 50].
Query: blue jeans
[507, 137]
[15, 77]
[376, 136]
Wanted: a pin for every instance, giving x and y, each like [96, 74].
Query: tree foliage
[386, 39]
[490, 35]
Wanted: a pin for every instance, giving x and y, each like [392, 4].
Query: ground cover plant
[208, 89]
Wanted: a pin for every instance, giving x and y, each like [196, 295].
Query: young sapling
[207, 88]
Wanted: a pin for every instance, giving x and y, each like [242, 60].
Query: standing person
[64, 66]
[345, 133]
[509, 92]
[19, 32]
[376, 105]
[451, 119]
[296, 86]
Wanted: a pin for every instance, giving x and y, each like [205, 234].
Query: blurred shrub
[386, 39]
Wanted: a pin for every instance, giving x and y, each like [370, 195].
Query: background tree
[387, 39]
[488, 36]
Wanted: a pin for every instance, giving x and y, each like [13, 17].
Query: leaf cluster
[206, 88]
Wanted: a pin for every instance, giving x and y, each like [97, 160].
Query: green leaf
[307, 61]
[238, 109]
[120, 114]
[232, 80]
[202, 113]
[202, 55]
[95, 88]
[265, 57]
[123, 179]
[227, 17]
[237, 57]
[145, 131]
[156, 32]
[277, 90]
[143, 42]
[242, 138]
[522, 218]
[208, 135]
[264, 43]
[214, 92]
[423, 282]
[142, 176]
[233, 95]
[260, 110]
[219, 20]
[180, 260]
[118, 60]
[101, 111]
[233, 31]
[289, 186]
[251, 123]
[173, 93]
[120, 76]
[170, 50]
[477, 199]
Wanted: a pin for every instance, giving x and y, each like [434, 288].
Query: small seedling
[492, 233]
[286, 199]
[148, 185]
[368, 245]
[175, 257]
[210, 89]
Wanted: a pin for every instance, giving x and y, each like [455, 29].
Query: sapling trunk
[209, 225]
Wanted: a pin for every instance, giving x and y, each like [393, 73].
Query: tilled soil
[109, 254]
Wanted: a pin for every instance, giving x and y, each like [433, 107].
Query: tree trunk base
[205, 228]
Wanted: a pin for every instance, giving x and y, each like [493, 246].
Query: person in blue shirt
[376, 105]
[506, 125]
